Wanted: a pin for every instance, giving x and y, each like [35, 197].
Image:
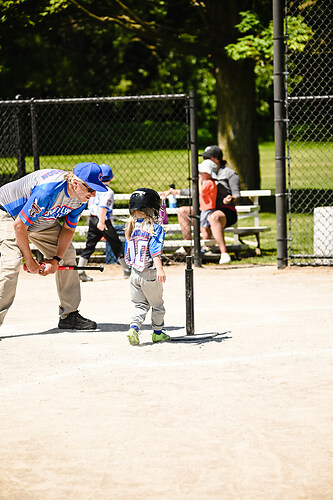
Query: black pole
[20, 153]
[195, 178]
[189, 296]
[34, 135]
[280, 133]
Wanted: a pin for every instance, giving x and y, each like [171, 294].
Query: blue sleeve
[73, 217]
[156, 241]
[38, 203]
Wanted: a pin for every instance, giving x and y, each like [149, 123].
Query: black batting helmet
[145, 199]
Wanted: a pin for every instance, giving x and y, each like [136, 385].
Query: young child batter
[143, 250]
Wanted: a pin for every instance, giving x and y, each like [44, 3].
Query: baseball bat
[73, 268]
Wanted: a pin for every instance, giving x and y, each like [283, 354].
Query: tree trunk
[236, 119]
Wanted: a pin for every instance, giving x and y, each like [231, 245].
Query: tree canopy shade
[202, 29]
[101, 47]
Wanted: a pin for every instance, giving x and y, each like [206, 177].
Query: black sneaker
[74, 321]
[127, 273]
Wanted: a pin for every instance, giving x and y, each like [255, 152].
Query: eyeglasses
[89, 189]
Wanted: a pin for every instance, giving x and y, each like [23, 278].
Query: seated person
[225, 214]
[207, 196]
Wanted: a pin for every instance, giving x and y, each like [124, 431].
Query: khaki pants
[68, 283]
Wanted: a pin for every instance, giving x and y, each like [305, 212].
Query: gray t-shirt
[227, 183]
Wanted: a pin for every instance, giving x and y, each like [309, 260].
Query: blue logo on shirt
[35, 209]
[56, 212]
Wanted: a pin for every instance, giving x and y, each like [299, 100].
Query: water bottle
[172, 198]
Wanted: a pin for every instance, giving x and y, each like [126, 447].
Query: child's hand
[164, 194]
[227, 199]
[161, 275]
[101, 226]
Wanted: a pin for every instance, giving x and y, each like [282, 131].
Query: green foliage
[257, 44]
[54, 7]
[52, 48]
[299, 33]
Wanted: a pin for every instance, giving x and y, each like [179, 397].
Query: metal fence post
[195, 187]
[20, 153]
[34, 135]
[280, 133]
[189, 296]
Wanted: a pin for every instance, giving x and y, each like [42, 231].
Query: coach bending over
[29, 211]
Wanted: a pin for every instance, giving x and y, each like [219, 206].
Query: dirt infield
[247, 415]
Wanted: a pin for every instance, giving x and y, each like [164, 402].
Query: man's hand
[33, 266]
[101, 226]
[48, 266]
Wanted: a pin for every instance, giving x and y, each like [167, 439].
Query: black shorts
[230, 214]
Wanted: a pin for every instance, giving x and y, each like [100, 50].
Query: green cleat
[133, 336]
[160, 337]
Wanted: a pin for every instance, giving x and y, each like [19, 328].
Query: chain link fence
[144, 139]
[309, 112]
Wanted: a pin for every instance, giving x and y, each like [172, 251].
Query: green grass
[132, 169]
[311, 165]
[267, 244]
[267, 165]
[157, 169]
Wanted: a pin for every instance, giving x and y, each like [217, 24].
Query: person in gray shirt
[225, 214]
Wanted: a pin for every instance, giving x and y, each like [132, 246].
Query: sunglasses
[89, 189]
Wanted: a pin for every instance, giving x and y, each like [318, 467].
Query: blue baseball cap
[91, 174]
[107, 172]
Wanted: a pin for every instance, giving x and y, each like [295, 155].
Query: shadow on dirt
[121, 327]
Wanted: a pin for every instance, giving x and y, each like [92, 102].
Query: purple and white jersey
[103, 199]
[142, 246]
[40, 198]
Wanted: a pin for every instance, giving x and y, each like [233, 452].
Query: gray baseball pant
[146, 293]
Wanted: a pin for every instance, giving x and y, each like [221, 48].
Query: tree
[54, 53]
[101, 47]
[199, 28]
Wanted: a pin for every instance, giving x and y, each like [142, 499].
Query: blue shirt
[142, 246]
[40, 198]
